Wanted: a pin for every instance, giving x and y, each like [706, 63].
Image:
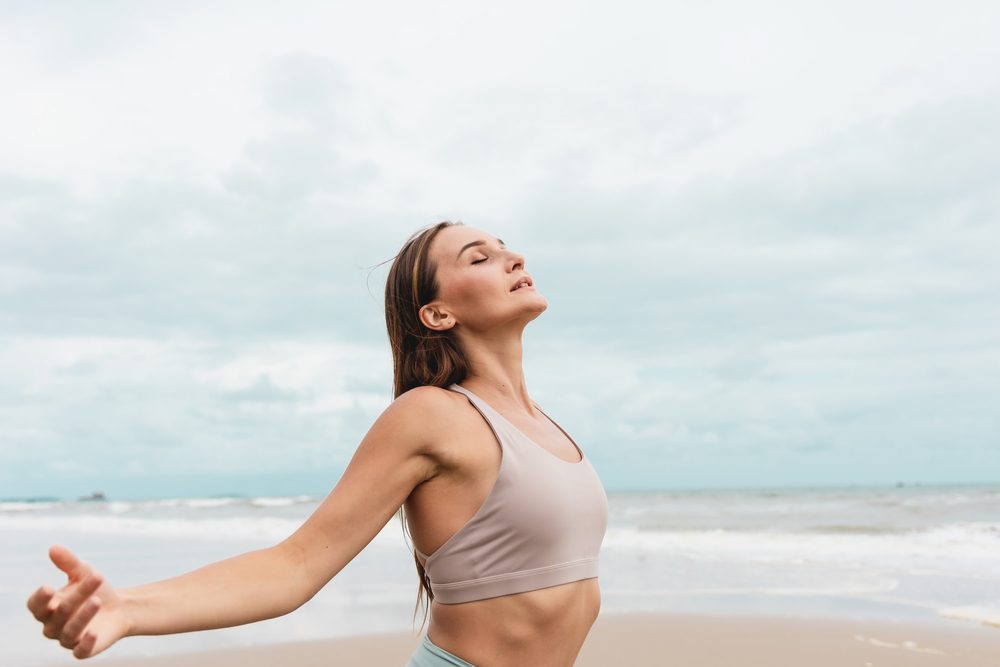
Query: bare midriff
[543, 628]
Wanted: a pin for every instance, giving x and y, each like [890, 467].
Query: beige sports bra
[541, 525]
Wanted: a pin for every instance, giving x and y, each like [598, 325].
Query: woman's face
[481, 284]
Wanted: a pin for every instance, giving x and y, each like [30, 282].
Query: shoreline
[656, 639]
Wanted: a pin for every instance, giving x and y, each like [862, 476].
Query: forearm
[250, 587]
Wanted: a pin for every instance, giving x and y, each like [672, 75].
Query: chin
[539, 306]
[537, 303]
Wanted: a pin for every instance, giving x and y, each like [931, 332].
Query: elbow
[296, 577]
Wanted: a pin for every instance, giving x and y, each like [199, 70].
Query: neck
[495, 366]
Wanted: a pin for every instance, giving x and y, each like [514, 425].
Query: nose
[515, 261]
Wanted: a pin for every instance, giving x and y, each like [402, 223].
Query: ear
[436, 318]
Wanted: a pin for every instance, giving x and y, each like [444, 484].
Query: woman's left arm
[88, 615]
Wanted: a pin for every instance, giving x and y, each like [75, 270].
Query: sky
[767, 233]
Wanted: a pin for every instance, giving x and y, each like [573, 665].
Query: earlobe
[436, 319]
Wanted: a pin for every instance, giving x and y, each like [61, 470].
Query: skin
[430, 450]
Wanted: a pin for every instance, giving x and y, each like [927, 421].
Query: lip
[526, 281]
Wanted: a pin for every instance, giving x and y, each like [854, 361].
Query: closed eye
[479, 261]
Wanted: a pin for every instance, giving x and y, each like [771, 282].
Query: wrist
[127, 606]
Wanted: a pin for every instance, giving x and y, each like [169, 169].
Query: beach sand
[668, 640]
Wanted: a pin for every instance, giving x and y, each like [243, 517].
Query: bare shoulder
[425, 416]
[429, 398]
[433, 402]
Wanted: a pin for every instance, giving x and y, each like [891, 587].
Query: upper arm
[396, 455]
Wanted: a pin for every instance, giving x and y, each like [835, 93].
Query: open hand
[86, 614]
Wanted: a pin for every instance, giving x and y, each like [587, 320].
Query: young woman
[505, 513]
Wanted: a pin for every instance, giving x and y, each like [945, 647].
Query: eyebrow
[474, 244]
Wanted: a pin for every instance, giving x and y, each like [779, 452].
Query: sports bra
[541, 524]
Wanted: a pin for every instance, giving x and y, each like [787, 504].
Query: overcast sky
[768, 232]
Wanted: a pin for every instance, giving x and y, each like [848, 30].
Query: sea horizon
[736, 489]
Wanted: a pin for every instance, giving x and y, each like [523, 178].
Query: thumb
[68, 562]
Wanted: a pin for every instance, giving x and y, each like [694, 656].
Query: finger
[68, 562]
[70, 636]
[85, 647]
[38, 603]
[71, 601]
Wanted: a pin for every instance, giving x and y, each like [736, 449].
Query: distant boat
[96, 495]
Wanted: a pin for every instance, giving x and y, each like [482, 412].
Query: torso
[543, 628]
[514, 629]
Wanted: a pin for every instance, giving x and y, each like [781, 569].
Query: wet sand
[661, 640]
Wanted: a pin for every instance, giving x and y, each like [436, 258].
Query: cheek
[481, 302]
[474, 289]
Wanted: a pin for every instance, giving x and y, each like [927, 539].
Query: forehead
[450, 241]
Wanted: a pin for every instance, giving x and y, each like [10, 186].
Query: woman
[505, 513]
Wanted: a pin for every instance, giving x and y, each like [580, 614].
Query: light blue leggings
[429, 655]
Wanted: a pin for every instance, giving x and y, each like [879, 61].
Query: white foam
[884, 586]
[916, 648]
[119, 507]
[963, 548]
[22, 506]
[206, 503]
[984, 615]
[280, 502]
[266, 528]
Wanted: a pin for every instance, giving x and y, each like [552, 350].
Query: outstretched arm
[88, 614]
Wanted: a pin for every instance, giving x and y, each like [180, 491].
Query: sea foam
[985, 615]
[966, 548]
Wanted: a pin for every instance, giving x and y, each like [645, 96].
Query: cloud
[814, 299]
[764, 273]
[106, 407]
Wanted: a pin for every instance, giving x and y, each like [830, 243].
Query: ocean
[909, 553]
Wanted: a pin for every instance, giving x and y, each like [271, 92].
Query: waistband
[429, 655]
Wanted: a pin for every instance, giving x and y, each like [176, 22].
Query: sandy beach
[648, 640]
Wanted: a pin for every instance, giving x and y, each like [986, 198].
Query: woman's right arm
[397, 454]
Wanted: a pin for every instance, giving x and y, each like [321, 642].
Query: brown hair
[420, 356]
